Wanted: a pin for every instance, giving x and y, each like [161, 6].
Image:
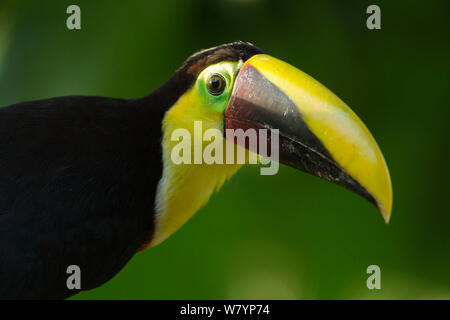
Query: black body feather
[78, 177]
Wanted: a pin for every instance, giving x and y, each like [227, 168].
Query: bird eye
[216, 84]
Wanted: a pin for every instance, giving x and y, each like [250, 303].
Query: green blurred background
[288, 236]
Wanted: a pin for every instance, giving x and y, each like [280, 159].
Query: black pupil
[216, 84]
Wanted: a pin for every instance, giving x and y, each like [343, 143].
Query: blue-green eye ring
[216, 84]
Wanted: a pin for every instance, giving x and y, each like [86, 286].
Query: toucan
[89, 181]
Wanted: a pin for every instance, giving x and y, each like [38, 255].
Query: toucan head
[237, 86]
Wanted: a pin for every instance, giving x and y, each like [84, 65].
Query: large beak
[318, 132]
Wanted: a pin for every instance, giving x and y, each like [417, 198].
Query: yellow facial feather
[185, 188]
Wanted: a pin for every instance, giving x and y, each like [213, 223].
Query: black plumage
[78, 177]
